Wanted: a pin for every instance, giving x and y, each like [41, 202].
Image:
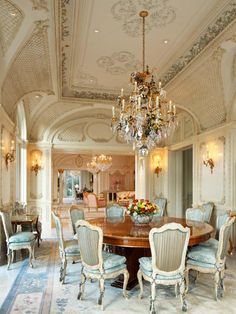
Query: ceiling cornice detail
[213, 30]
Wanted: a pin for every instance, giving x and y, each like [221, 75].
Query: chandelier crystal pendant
[145, 117]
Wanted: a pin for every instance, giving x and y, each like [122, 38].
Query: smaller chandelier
[99, 163]
[104, 162]
[145, 118]
[92, 166]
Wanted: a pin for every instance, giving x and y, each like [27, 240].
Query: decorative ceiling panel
[30, 70]
[11, 18]
[95, 33]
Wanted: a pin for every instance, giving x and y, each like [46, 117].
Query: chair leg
[217, 281]
[182, 295]
[222, 287]
[12, 256]
[140, 282]
[187, 280]
[9, 253]
[176, 290]
[30, 256]
[64, 270]
[126, 278]
[102, 289]
[81, 286]
[153, 297]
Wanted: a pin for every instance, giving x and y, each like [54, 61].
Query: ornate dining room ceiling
[100, 41]
[68, 58]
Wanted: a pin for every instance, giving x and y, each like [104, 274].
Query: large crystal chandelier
[145, 117]
[99, 163]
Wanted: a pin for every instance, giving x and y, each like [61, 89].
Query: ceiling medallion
[145, 117]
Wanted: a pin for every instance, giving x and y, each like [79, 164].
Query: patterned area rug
[38, 290]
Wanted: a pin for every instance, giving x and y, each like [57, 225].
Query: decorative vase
[142, 219]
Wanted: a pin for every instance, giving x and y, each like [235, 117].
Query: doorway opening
[187, 182]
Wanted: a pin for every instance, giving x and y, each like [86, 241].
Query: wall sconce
[36, 157]
[158, 168]
[208, 161]
[10, 156]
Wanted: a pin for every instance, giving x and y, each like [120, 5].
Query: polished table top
[123, 232]
[23, 218]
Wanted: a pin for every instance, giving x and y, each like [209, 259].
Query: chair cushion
[111, 260]
[146, 267]
[193, 263]
[72, 249]
[111, 263]
[213, 243]
[20, 237]
[203, 254]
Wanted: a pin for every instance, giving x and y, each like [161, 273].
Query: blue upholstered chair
[195, 214]
[211, 259]
[67, 249]
[208, 209]
[167, 265]
[220, 221]
[115, 211]
[97, 264]
[161, 203]
[17, 241]
[76, 214]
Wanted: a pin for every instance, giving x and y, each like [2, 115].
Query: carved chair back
[7, 226]
[161, 203]
[208, 209]
[168, 248]
[225, 231]
[195, 214]
[76, 214]
[59, 231]
[90, 244]
[115, 211]
[92, 200]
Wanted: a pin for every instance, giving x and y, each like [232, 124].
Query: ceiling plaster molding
[68, 61]
[30, 70]
[220, 24]
[119, 63]
[83, 10]
[161, 13]
[56, 113]
[11, 18]
[66, 123]
[40, 5]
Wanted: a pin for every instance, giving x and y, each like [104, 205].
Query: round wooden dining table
[132, 241]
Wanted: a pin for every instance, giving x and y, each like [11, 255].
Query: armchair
[211, 259]
[161, 203]
[17, 241]
[167, 264]
[195, 214]
[68, 249]
[97, 264]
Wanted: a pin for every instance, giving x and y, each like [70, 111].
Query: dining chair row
[166, 265]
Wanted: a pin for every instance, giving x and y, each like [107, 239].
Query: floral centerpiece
[142, 211]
